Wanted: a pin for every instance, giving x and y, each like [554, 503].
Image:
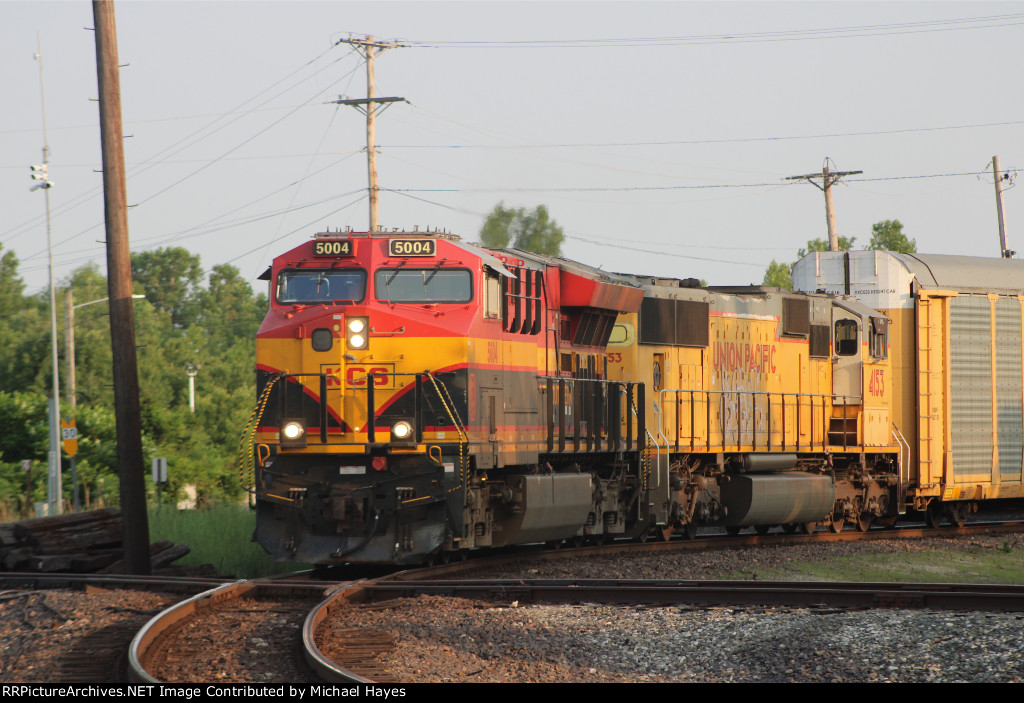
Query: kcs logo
[357, 376]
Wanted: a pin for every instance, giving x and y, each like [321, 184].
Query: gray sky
[662, 153]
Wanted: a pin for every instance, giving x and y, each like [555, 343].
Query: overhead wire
[180, 145]
[854, 31]
[729, 140]
[363, 196]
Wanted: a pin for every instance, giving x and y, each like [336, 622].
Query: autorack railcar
[957, 366]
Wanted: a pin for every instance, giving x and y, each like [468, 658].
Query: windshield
[433, 285]
[311, 286]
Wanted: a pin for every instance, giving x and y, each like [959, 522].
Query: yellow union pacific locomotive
[420, 397]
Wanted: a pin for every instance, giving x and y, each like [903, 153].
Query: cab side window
[879, 337]
[492, 297]
[846, 337]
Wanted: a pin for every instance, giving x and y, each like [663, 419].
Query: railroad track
[251, 619]
[359, 661]
[168, 648]
[714, 541]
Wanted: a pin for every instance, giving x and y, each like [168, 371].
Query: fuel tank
[791, 497]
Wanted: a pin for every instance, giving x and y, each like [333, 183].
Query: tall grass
[971, 564]
[219, 535]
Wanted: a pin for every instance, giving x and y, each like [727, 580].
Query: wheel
[598, 540]
[789, 528]
[808, 528]
[665, 533]
[577, 541]
[957, 513]
[835, 525]
[643, 536]
[934, 514]
[733, 530]
[886, 523]
[762, 529]
[445, 556]
[864, 521]
[689, 530]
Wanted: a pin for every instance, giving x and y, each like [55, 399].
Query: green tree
[845, 244]
[212, 324]
[170, 279]
[530, 231]
[778, 275]
[11, 286]
[228, 310]
[888, 235]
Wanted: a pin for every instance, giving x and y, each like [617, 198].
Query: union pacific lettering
[750, 358]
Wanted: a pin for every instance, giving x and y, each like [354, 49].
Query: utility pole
[135, 530]
[69, 354]
[192, 370]
[41, 173]
[828, 179]
[370, 106]
[999, 177]
[69, 346]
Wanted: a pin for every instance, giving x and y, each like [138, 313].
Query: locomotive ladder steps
[842, 431]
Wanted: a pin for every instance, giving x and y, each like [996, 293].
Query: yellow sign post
[69, 436]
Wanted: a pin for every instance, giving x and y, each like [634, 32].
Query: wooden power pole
[828, 179]
[370, 106]
[999, 177]
[135, 532]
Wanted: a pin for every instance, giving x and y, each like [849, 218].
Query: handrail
[753, 412]
[904, 479]
[596, 418]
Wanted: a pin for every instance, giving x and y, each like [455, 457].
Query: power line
[705, 186]
[728, 140]
[180, 145]
[856, 31]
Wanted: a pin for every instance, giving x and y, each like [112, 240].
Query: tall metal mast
[54, 488]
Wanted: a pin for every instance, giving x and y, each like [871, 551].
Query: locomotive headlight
[293, 433]
[401, 431]
[355, 329]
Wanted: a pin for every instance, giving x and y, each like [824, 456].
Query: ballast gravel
[456, 640]
[450, 640]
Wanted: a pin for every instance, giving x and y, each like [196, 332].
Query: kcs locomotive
[420, 397]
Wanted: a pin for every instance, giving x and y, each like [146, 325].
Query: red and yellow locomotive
[421, 396]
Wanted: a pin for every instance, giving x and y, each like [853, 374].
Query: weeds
[219, 535]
